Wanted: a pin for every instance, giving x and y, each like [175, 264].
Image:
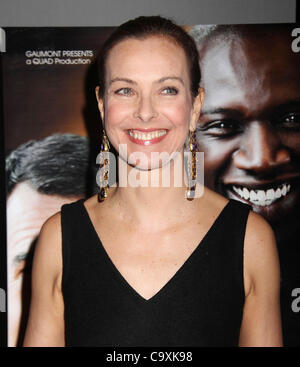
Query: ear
[100, 102]
[198, 102]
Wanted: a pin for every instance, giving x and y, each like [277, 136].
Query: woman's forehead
[153, 54]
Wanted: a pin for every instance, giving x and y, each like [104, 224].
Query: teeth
[271, 194]
[253, 195]
[245, 193]
[263, 197]
[278, 193]
[147, 136]
[284, 190]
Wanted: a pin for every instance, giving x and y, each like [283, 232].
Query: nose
[145, 110]
[261, 149]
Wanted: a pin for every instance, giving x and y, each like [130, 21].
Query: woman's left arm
[261, 324]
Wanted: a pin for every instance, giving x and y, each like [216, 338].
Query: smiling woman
[144, 266]
[147, 100]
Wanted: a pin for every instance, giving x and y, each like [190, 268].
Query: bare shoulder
[261, 324]
[48, 248]
[52, 228]
[52, 224]
[259, 237]
[46, 323]
[260, 252]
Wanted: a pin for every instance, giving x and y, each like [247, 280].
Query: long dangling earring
[192, 166]
[104, 177]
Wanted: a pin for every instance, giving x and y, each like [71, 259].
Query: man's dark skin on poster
[249, 131]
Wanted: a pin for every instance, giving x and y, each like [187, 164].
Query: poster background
[44, 98]
[49, 80]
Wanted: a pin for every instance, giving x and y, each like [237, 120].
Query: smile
[146, 137]
[262, 197]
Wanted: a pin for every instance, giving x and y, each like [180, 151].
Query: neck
[154, 198]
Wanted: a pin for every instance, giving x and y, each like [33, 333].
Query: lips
[147, 137]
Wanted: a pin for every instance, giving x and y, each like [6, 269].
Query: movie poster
[249, 131]
[52, 134]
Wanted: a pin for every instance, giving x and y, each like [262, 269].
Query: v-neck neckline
[170, 283]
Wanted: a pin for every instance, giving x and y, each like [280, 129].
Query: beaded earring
[104, 177]
[192, 165]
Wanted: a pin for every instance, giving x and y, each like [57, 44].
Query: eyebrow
[222, 111]
[288, 105]
[121, 80]
[161, 80]
[282, 107]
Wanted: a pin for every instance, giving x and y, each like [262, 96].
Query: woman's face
[147, 103]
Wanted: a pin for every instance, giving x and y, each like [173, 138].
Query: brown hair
[146, 26]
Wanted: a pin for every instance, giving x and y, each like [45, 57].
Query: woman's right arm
[45, 326]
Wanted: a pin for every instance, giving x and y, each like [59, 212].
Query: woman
[145, 266]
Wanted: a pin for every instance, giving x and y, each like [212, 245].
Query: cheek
[114, 114]
[178, 114]
[292, 142]
[217, 153]
[114, 119]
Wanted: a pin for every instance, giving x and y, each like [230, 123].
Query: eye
[20, 264]
[23, 263]
[124, 91]
[170, 91]
[19, 269]
[221, 128]
[291, 120]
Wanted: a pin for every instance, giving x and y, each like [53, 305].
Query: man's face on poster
[27, 210]
[249, 128]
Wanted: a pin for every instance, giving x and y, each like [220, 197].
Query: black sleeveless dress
[201, 305]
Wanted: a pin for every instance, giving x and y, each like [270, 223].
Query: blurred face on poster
[42, 175]
[27, 210]
[249, 127]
